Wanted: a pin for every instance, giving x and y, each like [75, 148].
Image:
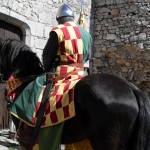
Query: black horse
[111, 112]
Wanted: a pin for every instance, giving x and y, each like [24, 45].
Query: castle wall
[36, 18]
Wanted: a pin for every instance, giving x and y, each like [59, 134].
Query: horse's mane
[17, 59]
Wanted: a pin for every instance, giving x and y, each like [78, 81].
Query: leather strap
[41, 111]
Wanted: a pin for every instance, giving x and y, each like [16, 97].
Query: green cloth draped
[87, 41]
[50, 137]
[24, 107]
[25, 104]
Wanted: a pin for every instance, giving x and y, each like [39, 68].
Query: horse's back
[107, 89]
[107, 109]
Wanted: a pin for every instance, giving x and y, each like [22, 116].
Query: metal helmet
[64, 11]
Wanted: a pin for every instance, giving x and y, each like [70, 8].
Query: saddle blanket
[60, 106]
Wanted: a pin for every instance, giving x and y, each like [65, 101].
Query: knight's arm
[50, 51]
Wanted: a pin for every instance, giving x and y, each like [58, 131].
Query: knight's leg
[50, 137]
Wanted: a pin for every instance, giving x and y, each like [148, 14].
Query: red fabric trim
[70, 59]
[67, 24]
[74, 46]
[77, 32]
[66, 87]
[66, 33]
[63, 70]
[79, 60]
[55, 90]
[66, 111]
[62, 48]
[47, 109]
[71, 94]
[58, 101]
[53, 117]
[37, 108]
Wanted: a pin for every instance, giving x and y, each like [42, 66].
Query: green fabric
[25, 104]
[50, 137]
[87, 41]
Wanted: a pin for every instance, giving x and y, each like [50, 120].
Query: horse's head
[18, 60]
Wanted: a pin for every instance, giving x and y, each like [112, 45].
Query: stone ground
[10, 144]
[6, 143]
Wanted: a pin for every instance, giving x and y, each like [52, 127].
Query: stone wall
[130, 63]
[37, 18]
[120, 23]
[122, 40]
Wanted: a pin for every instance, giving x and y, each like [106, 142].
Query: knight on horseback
[71, 43]
[109, 111]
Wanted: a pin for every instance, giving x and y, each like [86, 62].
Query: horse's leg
[12, 128]
[15, 121]
[107, 116]
[72, 131]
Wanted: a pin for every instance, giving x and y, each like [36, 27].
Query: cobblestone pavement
[9, 144]
[6, 143]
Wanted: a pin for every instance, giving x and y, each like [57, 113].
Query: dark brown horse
[111, 112]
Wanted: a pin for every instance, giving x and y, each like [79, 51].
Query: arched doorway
[8, 30]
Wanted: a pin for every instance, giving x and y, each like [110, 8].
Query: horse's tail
[140, 139]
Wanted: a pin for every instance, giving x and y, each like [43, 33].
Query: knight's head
[64, 14]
